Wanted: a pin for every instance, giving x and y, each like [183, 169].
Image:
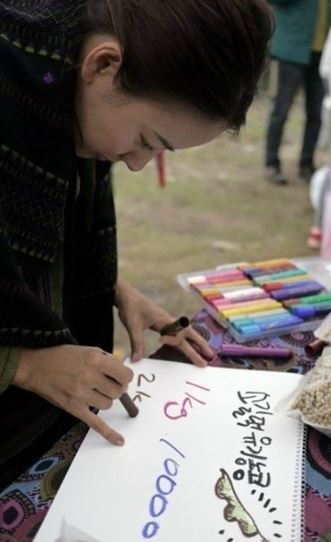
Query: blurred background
[216, 208]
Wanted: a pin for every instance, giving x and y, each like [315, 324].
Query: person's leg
[290, 77]
[314, 92]
[314, 239]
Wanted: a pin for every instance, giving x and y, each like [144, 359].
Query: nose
[136, 162]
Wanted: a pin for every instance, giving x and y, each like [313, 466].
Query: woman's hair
[207, 54]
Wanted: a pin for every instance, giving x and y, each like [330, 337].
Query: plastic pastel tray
[184, 281]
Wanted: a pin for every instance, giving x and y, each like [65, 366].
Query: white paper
[190, 470]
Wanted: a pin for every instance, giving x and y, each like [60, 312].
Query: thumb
[137, 344]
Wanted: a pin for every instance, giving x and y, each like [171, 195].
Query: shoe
[275, 175]
[314, 239]
[306, 172]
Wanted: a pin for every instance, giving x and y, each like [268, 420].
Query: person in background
[320, 181]
[301, 30]
[85, 83]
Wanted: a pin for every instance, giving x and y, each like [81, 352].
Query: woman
[83, 84]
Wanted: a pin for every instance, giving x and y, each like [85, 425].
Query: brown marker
[129, 405]
[315, 347]
[125, 399]
[175, 327]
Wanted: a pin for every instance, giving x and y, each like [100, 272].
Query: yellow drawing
[234, 510]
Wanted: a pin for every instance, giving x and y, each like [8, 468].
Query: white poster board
[206, 459]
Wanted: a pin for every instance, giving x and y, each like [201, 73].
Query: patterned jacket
[57, 222]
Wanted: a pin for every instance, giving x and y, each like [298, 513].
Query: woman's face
[115, 127]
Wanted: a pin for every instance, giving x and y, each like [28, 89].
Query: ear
[102, 59]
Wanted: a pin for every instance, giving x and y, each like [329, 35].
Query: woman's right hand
[75, 378]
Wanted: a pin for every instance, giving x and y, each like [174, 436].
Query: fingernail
[119, 442]
[135, 357]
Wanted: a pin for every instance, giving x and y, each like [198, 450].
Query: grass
[216, 208]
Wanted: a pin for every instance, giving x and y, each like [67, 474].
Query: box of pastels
[261, 299]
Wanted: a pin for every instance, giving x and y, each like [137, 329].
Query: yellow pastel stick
[211, 291]
[245, 310]
[253, 303]
[271, 263]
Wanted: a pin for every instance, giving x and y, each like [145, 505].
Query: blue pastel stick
[284, 322]
[275, 324]
[250, 330]
[301, 284]
[263, 319]
[288, 293]
[307, 311]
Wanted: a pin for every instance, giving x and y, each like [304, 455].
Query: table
[24, 504]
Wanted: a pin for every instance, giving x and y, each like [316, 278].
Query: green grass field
[216, 208]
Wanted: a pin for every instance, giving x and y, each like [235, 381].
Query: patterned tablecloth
[24, 504]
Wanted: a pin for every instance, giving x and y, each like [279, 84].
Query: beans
[314, 397]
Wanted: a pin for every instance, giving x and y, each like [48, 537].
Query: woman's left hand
[137, 313]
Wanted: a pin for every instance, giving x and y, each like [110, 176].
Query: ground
[216, 208]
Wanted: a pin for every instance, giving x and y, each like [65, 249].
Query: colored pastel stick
[268, 263]
[236, 350]
[246, 291]
[278, 276]
[312, 299]
[308, 311]
[256, 304]
[274, 322]
[247, 297]
[261, 320]
[257, 328]
[271, 286]
[196, 279]
[256, 273]
[271, 312]
[222, 277]
[288, 293]
[250, 330]
[282, 322]
[245, 310]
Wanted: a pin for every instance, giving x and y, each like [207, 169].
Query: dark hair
[208, 54]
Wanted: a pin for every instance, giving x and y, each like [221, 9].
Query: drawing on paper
[234, 511]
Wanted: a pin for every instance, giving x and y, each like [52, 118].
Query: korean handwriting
[253, 456]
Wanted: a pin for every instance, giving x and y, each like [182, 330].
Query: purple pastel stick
[236, 350]
[288, 293]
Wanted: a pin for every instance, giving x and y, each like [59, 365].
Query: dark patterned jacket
[57, 222]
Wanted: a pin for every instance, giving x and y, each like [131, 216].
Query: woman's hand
[137, 313]
[75, 378]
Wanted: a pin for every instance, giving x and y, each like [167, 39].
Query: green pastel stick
[283, 275]
[312, 299]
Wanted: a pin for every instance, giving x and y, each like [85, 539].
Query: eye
[145, 145]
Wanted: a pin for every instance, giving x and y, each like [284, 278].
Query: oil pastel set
[261, 299]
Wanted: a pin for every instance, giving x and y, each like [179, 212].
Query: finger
[115, 369]
[137, 345]
[109, 387]
[96, 423]
[202, 344]
[99, 400]
[192, 354]
[172, 341]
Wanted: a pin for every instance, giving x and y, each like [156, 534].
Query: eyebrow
[164, 142]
